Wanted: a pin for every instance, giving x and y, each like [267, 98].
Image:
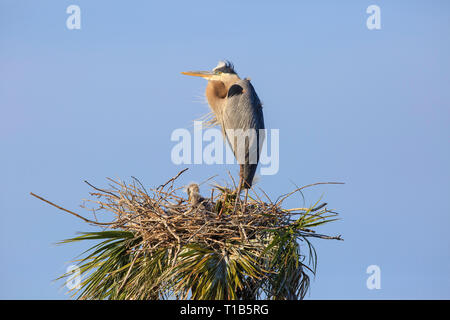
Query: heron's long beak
[203, 74]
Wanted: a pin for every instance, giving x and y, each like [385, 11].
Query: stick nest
[164, 218]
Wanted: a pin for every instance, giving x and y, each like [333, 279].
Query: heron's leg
[238, 196]
[239, 188]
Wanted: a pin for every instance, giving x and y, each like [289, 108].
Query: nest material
[165, 219]
[258, 232]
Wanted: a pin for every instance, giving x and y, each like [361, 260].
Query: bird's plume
[225, 66]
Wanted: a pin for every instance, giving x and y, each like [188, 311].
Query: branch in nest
[73, 213]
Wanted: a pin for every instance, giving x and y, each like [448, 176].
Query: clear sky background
[369, 108]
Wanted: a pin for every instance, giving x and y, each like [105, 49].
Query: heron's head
[223, 72]
[192, 189]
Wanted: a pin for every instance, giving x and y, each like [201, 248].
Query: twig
[73, 213]
[101, 190]
[172, 179]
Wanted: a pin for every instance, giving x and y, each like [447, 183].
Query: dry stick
[254, 192]
[142, 186]
[271, 203]
[172, 179]
[73, 213]
[242, 230]
[171, 231]
[104, 191]
[232, 179]
[115, 182]
[197, 231]
[205, 181]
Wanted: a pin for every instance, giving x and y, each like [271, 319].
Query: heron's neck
[216, 93]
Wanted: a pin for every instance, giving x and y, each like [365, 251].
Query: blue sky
[370, 108]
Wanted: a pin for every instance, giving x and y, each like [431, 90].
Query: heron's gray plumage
[243, 111]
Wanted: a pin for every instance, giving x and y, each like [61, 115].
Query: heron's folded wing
[243, 117]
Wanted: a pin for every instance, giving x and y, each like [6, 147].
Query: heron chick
[194, 196]
[238, 110]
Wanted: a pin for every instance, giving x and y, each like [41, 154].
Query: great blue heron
[238, 110]
[194, 195]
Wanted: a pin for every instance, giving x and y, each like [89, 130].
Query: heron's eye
[218, 72]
